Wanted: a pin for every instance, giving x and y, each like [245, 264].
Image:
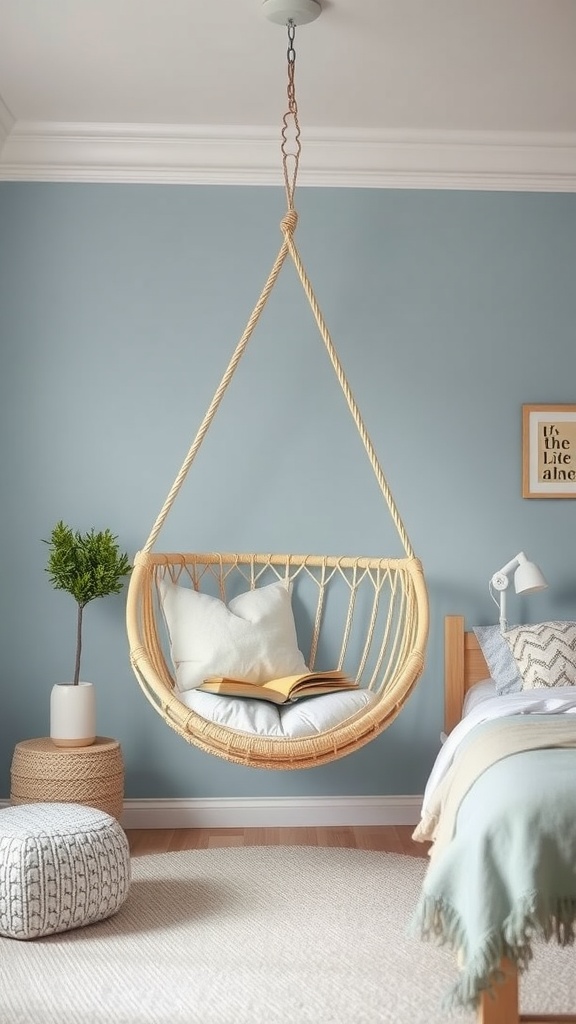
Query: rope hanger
[290, 165]
[371, 614]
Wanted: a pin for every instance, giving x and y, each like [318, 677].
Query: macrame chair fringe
[385, 614]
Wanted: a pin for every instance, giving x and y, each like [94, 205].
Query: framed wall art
[549, 451]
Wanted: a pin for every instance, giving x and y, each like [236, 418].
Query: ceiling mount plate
[301, 12]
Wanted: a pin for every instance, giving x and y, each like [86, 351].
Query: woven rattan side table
[93, 776]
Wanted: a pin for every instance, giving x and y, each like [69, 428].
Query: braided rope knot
[289, 222]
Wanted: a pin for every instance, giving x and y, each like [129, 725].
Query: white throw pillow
[545, 653]
[253, 638]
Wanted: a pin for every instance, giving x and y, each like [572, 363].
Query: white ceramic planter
[73, 714]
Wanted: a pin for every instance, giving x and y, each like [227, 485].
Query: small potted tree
[86, 565]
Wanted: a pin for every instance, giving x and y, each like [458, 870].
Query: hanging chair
[377, 607]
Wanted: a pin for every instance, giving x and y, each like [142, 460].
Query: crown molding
[244, 155]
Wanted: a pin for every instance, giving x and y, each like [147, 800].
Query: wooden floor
[387, 839]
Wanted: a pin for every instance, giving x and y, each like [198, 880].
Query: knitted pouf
[61, 866]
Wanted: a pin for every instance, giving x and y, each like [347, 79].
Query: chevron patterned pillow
[545, 653]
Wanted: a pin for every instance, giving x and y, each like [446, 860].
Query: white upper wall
[461, 65]
[454, 93]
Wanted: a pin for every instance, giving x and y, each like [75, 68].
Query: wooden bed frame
[464, 665]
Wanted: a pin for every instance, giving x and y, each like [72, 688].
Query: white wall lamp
[528, 578]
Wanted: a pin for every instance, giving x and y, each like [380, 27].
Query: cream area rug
[255, 935]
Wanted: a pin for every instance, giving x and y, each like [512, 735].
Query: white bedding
[559, 701]
[477, 693]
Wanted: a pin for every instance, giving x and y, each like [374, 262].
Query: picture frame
[549, 451]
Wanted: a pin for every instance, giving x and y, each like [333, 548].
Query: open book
[281, 691]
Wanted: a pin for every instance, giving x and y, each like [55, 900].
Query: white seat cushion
[306, 717]
[61, 866]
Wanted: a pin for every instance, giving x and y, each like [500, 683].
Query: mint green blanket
[508, 872]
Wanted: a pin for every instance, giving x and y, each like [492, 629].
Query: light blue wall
[119, 308]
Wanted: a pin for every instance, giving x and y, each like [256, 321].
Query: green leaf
[86, 565]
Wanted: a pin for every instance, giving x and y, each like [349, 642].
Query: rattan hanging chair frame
[388, 665]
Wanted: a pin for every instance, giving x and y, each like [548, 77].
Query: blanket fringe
[437, 921]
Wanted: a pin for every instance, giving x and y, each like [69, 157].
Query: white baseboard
[270, 812]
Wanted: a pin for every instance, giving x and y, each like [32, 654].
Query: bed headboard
[464, 665]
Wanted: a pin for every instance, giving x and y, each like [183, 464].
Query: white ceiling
[378, 72]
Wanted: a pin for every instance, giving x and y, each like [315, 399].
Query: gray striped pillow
[545, 653]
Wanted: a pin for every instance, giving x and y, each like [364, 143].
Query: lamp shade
[528, 578]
